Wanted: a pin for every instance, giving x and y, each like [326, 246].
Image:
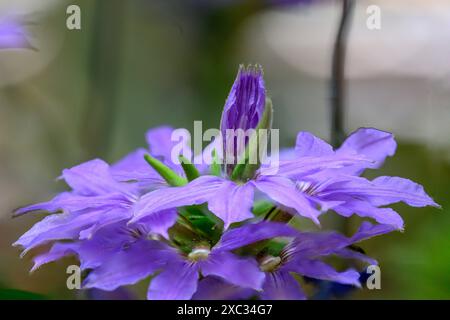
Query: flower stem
[338, 82]
[337, 75]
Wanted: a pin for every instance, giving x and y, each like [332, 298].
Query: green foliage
[14, 294]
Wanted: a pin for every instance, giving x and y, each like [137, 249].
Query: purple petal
[161, 144]
[160, 222]
[58, 251]
[372, 143]
[239, 271]
[245, 103]
[380, 191]
[129, 265]
[319, 270]
[93, 178]
[250, 233]
[308, 245]
[307, 145]
[355, 255]
[70, 202]
[178, 281]
[100, 248]
[232, 202]
[284, 191]
[215, 288]
[91, 254]
[280, 285]
[309, 165]
[285, 154]
[368, 230]
[49, 206]
[133, 167]
[133, 161]
[364, 209]
[315, 244]
[389, 190]
[118, 294]
[197, 191]
[67, 226]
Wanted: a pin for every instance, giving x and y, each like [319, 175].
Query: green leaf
[14, 294]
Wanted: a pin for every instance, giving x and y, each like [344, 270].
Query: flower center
[269, 264]
[199, 253]
[306, 187]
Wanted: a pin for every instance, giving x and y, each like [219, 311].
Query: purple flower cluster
[199, 231]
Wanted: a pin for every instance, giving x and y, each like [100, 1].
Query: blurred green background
[135, 64]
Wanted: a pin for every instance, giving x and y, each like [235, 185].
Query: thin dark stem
[338, 76]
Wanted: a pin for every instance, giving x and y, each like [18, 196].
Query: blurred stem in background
[104, 60]
[337, 101]
[338, 74]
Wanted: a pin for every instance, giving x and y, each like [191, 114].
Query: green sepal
[237, 171]
[245, 170]
[189, 169]
[171, 177]
[215, 167]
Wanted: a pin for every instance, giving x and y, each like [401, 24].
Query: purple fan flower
[231, 200]
[119, 255]
[217, 261]
[96, 200]
[116, 254]
[315, 179]
[102, 195]
[125, 223]
[344, 190]
[304, 255]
